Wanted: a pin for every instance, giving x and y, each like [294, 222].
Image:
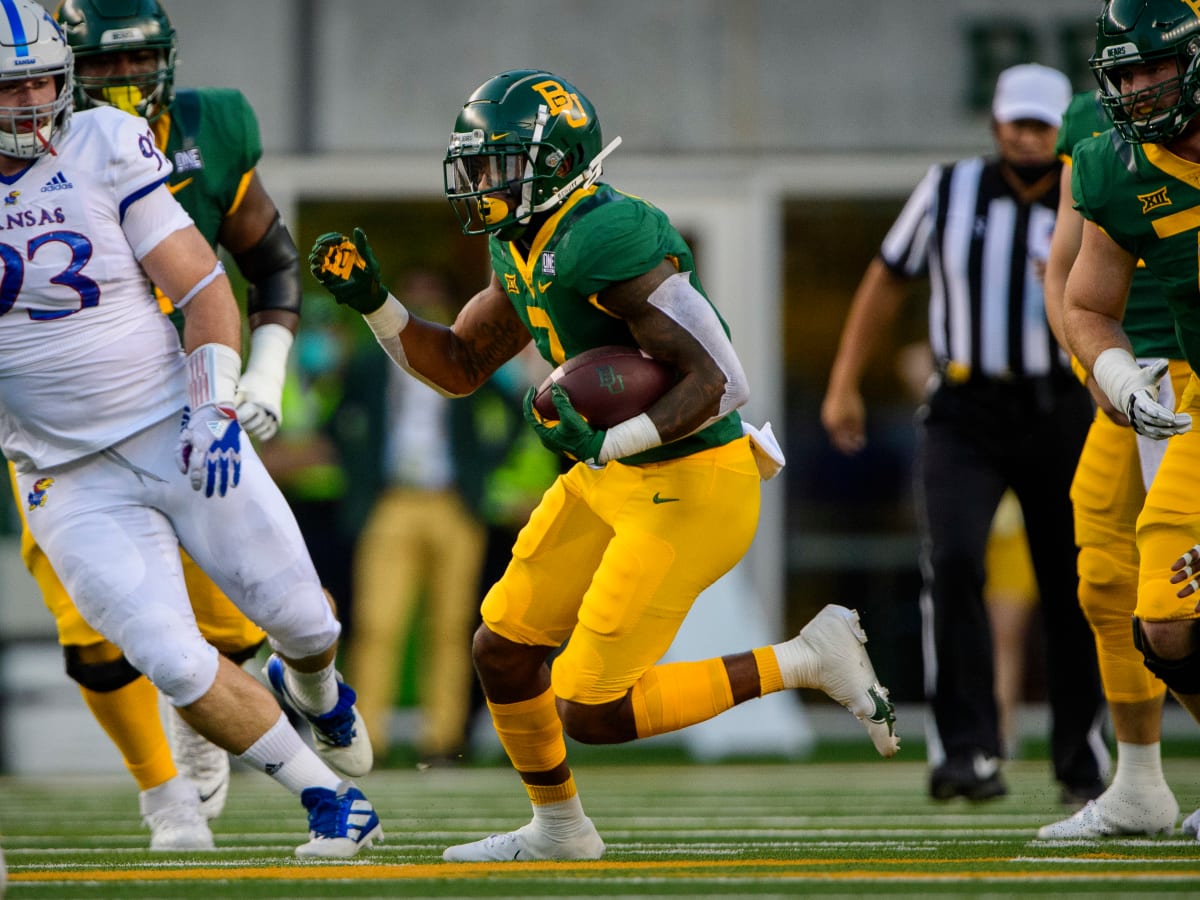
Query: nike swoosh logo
[502, 134]
[176, 188]
[657, 499]
[542, 285]
[204, 798]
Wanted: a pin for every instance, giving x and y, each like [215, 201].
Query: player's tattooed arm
[673, 322]
[459, 358]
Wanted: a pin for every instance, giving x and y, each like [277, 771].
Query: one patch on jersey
[548, 263]
[1154, 200]
[188, 160]
[37, 497]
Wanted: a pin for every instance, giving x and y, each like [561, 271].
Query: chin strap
[584, 179]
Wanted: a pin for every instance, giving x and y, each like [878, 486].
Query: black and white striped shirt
[978, 242]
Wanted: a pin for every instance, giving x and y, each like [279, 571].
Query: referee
[1003, 411]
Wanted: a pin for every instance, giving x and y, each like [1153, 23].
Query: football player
[126, 446]
[1136, 187]
[1115, 469]
[125, 57]
[657, 507]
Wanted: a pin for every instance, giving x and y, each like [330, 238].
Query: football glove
[347, 268]
[1133, 389]
[209, 451]
[571, 434]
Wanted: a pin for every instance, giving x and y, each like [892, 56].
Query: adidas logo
[272, 768]
[57, 183]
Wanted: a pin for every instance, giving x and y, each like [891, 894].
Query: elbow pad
[272, 267]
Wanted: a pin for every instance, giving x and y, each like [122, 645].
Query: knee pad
[171, 653]
[101, 677]
[1180, 675]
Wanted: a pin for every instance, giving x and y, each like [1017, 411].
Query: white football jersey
[86, 357]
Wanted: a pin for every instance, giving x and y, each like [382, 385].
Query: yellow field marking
[784, 867]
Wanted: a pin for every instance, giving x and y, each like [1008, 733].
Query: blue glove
[347, 268]
[572, 434]
[210, 449]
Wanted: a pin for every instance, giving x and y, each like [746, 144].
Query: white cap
[1031, 91]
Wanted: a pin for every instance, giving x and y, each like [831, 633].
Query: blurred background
[782, 136]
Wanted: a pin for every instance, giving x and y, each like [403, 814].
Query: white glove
[259, 396]
[1133, 389]
[209, 451]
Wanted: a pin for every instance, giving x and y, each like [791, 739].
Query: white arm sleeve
[688, 308]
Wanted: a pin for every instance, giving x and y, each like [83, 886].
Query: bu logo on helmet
[562, 103]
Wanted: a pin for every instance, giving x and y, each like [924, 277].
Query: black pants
[975, 440]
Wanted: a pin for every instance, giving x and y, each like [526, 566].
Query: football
[607, 385]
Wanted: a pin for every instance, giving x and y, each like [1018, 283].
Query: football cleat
[529, 843]
[1191, 825]
[836, 638]
[340, 823]
[340, 735]
[1119, 813]
[172, 813]
[976, 777]
[201, 761]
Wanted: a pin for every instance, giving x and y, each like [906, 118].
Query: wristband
[1118, 375]
[213, 371]
[629, 437]
[269, 347]
[389, 320]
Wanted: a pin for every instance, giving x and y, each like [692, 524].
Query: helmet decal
[562, 102]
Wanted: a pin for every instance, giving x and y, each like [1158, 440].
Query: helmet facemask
[144, 94]
[486, 184]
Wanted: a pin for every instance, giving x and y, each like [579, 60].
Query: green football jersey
[1147, 319]
[214, 144]
[1148, 201]
[598, 237]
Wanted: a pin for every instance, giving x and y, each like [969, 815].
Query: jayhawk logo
[37, 497]
[11, 197]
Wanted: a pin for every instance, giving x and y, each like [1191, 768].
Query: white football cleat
[172, 813]
[340, 823]
[200, 760]
[1191, 825]
[529, 842]
[1116, 813]
[340, 735]
[836, 638]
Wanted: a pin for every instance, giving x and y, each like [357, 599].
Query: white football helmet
[32, 46]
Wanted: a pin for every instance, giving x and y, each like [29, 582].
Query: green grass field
[768, 829]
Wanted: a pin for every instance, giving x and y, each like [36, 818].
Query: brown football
[607, 385]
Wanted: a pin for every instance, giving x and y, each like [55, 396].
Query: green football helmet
[1134, 32]
[523, 142]
[98, 27]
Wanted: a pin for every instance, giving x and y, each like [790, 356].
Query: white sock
[283, 755]
[798, 665]
[1138, 766]
[561, 819]
[315, 693]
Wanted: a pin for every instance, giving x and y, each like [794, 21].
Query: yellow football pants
[614, 558]
[1169, 523]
